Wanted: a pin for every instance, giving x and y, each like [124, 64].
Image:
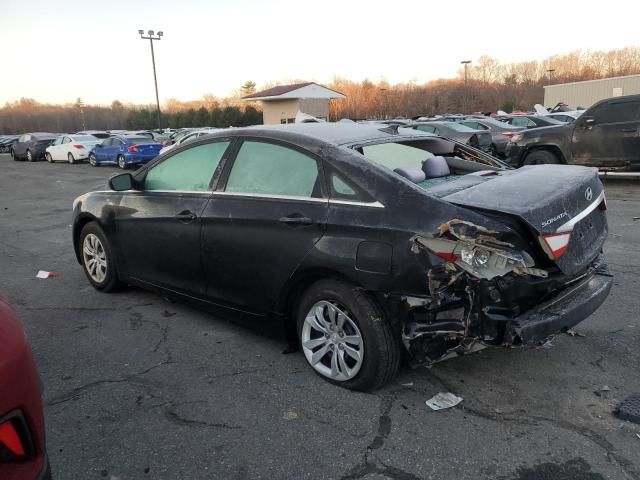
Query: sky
[55, 51]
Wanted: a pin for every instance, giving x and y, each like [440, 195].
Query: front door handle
[296, 219]
[186, 216]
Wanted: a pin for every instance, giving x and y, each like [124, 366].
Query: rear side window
[189, 170]
[426, 128]
[396, 155]
[619, 112]
[269, 169]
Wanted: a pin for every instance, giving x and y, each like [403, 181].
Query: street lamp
[550, 71]
[151, 36]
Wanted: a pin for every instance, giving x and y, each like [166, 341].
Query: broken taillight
[555, 244]
[12, 447]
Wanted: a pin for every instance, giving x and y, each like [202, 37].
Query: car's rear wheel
[345, 336]
[92, 159]
[70, 158]
[48, 157]
[541, 157]
[97, 258]
[122, 162]
[14, 156]
[29, 156]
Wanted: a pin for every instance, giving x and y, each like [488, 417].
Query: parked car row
[117, 147]
[6, 142]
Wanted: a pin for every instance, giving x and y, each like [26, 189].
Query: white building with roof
[281, 104]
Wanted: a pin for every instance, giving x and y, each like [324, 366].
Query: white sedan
[71, 148]
[190, 136]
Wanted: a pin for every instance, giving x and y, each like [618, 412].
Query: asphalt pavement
[137, 387]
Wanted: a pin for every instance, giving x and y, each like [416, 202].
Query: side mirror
[121, 182]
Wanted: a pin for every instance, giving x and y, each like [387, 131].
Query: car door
[54, 148]
[64, 149]
[266, 215]
[114, 150]
[591, 141]
[20, 148]
[158, 227]
[614, 130]
[101, 150]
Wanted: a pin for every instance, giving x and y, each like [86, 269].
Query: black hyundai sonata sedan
[366, 241]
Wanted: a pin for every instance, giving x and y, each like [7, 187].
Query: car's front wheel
[122, 163]
[29, 156]
[48, 157]
[93, 161]
[97, 258]
[345, 337]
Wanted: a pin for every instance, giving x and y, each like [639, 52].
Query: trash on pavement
[45, 274]
[573, 333]
[443, 400]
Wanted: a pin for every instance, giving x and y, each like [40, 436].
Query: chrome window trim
[356, 203]
[271, 196]
[568, 226]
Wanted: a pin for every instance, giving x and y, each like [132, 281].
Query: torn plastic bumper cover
[489, 292]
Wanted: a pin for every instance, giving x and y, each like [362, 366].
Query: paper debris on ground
[443, 400]
[573, 333]
[45, 274]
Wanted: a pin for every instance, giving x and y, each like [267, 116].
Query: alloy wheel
[332, 342]
[49, 157]
[92, 160]
[29, 156]
[70, 157]
[95, 258]
[121, 162]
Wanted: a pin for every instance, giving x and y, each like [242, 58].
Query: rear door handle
[296, 219]
[186, 216]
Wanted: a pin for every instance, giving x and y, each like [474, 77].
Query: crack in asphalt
[367, 466]
[174, 417]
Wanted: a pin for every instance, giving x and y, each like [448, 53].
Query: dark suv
[606, 135]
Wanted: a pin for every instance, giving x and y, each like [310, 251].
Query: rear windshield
[490, 121]
[140, 140]
[396, 155]
[84, 138]
[458, 127]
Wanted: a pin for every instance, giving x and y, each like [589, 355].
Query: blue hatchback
[124, 150]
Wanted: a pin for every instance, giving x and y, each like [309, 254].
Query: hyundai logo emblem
[588, 194]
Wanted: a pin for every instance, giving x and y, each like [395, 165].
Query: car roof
[339, 133]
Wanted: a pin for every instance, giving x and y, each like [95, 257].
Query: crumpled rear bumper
[563, 311]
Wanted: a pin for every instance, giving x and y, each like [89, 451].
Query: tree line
[490, 86]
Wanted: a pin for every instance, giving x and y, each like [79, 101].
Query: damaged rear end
[536, 271]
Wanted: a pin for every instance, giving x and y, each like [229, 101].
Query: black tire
[122, 162]
[48, 157]
[541, 157]
[381, 345]
[493, 151]
[70, 158]
[92, 160]
[30, 156]
[13, 155]
[111, 282]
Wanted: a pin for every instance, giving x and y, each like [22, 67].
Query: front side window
[620, 112]
[269, 169]
[66, 140]
[189, 170]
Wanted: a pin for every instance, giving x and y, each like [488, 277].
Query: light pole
[466, 79]
[151, 37]
[550, 71]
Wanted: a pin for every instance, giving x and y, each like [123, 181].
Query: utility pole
[151, 37]
[466, 81]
